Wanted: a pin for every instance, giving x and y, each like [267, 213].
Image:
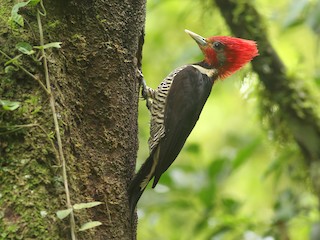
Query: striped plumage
[158, 98]
[176, 104]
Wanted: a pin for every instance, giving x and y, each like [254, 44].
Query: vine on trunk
[38, 54]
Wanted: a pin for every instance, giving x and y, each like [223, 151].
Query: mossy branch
[296, 102]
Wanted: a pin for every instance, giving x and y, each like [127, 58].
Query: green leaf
[49, 45]
[244, 154]
[10, 69]
[8, 105]
[86, 205]
[14, 61]
[193, 148]
[34, 2]
[15, 16]
[89, 225]
[61, 214]
[25, 48]
[216, 168]
[231, 205]
[277, 165]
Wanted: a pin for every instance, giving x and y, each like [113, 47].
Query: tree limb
[296, 103]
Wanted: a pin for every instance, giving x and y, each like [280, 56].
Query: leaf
[89, 225]
[49, 45]
[244, 154]
[9, 69]
[216, 168]
[15, 16]
[34, 2]
[61, 214]
[25, 48]
[14, 61]
[230, 205]
[86, 205]
[8, 105]
[193, 148]
[277, 165]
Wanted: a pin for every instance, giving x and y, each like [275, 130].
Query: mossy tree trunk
[95, 85]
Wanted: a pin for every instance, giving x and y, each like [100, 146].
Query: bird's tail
[139, 183]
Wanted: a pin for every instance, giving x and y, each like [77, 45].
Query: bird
[177, 103]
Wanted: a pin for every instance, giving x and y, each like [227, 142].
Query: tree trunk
[95, 85]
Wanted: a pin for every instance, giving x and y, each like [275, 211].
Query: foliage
[9, 105]
[234, 179]
[16, 63]
[24, 150]
[61, 214]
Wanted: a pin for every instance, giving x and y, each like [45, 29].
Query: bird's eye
[218, 46]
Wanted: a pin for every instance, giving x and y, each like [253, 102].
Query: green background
[236, 178]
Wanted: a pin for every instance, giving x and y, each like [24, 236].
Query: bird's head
[226, 54]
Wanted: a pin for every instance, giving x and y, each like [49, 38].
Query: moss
[26, 179]
[27, 175]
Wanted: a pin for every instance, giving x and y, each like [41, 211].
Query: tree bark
[96, 89]
[292, 98]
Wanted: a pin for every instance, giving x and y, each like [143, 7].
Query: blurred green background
[234, 178]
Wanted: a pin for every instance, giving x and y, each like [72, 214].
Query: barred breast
[157, 130]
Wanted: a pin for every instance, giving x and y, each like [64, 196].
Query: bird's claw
[144, 91]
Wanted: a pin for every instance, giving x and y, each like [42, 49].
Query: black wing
[188, 93]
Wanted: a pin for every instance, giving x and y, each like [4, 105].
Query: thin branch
[27, 72]
[14, 128]
[57, 130]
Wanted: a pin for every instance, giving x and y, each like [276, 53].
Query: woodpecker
[176, 104]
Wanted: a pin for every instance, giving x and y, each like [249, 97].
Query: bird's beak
[200, 40]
